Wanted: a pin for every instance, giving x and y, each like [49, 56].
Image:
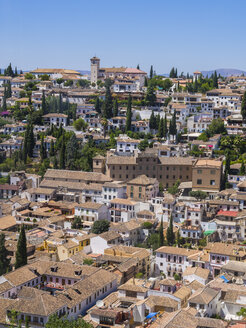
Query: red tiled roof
[227, 213]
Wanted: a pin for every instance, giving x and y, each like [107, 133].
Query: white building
[172, 260]
[91, 212]
[56, 119]
[112, 190]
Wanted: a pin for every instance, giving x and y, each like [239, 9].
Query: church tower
[95, 65]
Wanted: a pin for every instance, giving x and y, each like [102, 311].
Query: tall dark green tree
[62, 158]
[215, 80]
[71, 152]
[52, 148]
[152, 121]
[173, 125]
[129, 114]
[170, 233]
[44, 104]
[116, 108]
[16, 72]
[225, 183]
[145, 81]
[98, 106]
[165, 129]
[43, 153]
[4, 260]
[9, 71]
[161, 234]
[173, 73]
[108, 104]
[21, 252]
[8, 89]
[138, 66]
[151, 72]
[60, 104]
[150, 97]
[161, 128]
[30, 140]
[4, 105]
[243, 106]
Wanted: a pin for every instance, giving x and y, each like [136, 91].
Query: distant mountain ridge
[224, 72]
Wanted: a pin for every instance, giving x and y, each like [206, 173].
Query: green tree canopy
[80, 124]
[198, 194]
[63, 322]
[100, 226]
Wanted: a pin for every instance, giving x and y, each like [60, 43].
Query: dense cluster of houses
[116, 278]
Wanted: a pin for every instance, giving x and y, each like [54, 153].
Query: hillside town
[122, 198]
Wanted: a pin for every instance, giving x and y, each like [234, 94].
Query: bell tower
[95, 65]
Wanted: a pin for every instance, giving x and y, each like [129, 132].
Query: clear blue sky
[187, 34]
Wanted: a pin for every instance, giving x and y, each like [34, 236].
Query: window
[212, 182]
[140, 189]
[140, 195]
[199, 181]
[199, 171]
[212, 171]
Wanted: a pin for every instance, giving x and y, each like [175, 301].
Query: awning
[224, 278]
[151, 315]
[208, 232]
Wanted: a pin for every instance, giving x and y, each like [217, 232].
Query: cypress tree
[215, 80]
[60, 105]
[158, 118]
[21, 253]
[173, 126]
[25, 145]
[165, 130]
[108, 104]
[152, 121]
[138, 66]
[52, 148]
[4, 106]
[145, 81]
[71, 152]
[150, 97]
[62, 154]
[161, 235]
[176, 73]
[21, 72]
[116, 108]
[30, 143]
[195, 88]
[151, 72]
[16, 72]
[98, 106]
[129, 114]
[178, 239]
[4, 260]
[9, 71]
[43, 153]
[243, 106]
[8, 90]
[161, 128]
[44, 104]
[170, 233]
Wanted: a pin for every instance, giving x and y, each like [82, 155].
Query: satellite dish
[100, 304]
